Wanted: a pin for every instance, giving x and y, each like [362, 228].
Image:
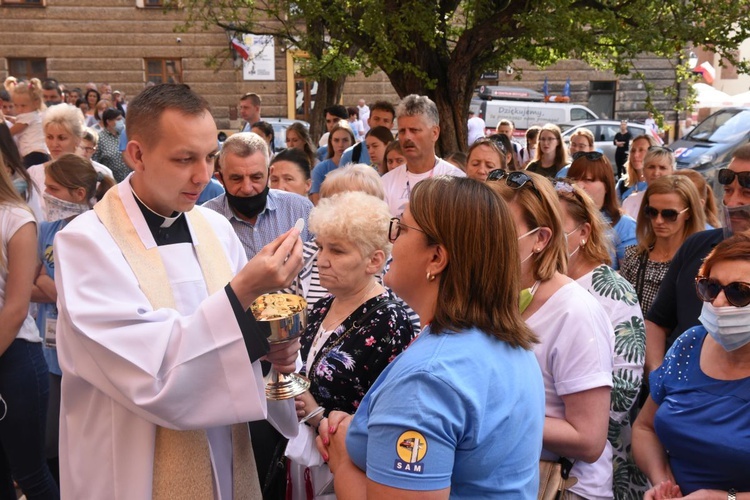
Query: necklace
[332, 324]
[322, 335]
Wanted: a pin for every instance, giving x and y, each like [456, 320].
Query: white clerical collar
[168, 221]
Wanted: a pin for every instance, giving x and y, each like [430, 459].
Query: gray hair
[66, 115]
[419, 105]
[244, 144]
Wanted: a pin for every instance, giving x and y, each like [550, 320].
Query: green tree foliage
[441, 47]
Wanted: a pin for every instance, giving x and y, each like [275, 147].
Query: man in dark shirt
[677, 307]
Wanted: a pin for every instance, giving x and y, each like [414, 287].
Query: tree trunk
[329, 93]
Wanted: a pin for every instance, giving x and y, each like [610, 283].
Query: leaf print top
[619, 299]
[352, 358]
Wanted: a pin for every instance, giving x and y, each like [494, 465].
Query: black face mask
[249, 206]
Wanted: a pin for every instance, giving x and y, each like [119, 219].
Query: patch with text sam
[411, 448]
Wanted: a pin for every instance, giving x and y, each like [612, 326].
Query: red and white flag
[242, 49]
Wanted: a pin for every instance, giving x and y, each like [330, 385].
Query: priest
[160, 359]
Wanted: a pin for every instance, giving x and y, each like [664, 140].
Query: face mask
[525, 235]
[735, 219]
[527, 295]
[729, 326]
[21, 186]
[57, 209]
[120, 126]
[249, 206]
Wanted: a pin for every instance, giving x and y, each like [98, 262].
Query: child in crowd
[27, 99]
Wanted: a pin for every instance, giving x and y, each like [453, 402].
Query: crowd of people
[472, 320]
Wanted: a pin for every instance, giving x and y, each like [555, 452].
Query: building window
[26, 68]
[158, 4]
[22, 3]
[164, 70]
[602, 98]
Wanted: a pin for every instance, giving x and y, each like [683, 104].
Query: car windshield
[724, 126]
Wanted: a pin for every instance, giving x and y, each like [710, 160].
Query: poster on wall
[261, 62]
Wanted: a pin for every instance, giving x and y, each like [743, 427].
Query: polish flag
[708, 72]
[242, 49]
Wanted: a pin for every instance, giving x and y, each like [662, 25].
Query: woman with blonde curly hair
[671, 211]
[353, 333]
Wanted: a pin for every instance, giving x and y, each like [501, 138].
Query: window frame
[29, 61]
[164, 65]
[23, 3]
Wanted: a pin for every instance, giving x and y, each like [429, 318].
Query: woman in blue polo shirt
[461, 411]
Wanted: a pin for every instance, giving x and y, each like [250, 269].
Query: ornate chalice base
[284, 316]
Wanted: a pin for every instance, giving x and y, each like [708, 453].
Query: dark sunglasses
[668, 214]
[394, 230]
[589, 155]
[515, 180]
[726, 176]
[736, 292]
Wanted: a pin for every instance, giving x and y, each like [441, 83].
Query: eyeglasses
[726, 176]
[736, 292]
[394, 230]
[668, 214]
[589, 155]
[87, 149]
[515, 179]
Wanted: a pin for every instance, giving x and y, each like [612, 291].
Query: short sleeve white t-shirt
[399, 182]
[12, 218]
[32, 138]
[575, 354]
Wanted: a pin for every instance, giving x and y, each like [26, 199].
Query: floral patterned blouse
[619, 299]
[352, 358]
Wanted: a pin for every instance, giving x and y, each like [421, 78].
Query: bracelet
[317, 411]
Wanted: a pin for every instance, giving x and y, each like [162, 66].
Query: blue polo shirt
[460, 410]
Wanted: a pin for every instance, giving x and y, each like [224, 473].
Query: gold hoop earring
[430, 277]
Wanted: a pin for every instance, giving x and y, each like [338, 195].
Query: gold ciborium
[284, 317]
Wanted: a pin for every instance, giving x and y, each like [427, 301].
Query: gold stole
[182, 461]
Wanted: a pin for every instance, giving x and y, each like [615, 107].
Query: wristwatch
[732, 494]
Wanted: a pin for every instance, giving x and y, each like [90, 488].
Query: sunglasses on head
[726, 176]
[589, 155]
[515, 180]
[736, 292]
[668, 214]
[660, 148]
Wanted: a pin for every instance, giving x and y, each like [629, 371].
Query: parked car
[710, 145]
[279, 131]
[604, 134]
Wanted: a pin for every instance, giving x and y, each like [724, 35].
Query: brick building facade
[129, 42]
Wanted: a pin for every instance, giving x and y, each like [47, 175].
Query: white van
[525, 114]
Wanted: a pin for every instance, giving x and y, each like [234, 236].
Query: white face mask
[729, 326]
[57, 209]
[528, 233]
